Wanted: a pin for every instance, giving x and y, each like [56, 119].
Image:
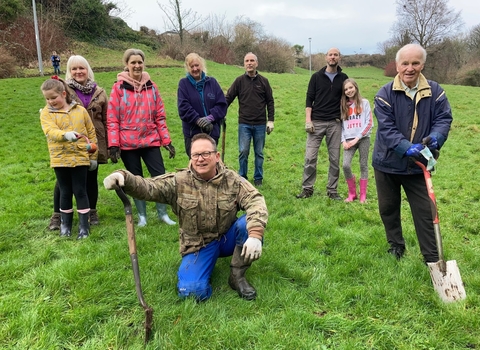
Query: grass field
[324, 280]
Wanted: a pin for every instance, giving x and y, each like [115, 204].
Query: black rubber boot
[66, 224]
[237, 278]
[83, 225]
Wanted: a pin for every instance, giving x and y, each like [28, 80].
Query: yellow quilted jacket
[56, 123]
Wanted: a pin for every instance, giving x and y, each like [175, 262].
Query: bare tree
[473, 39]
[426, 22]
[180, 20]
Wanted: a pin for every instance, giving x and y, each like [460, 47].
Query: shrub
[469, 78]
[8, 66]
[390, 69]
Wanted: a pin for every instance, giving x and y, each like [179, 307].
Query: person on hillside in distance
[63, 121]
[55, 63]
[206, 197]
[411, 111]
[357, 125]
[322, 119]
[256, 115]
[137, 127]
[200, 100]
[83, 89]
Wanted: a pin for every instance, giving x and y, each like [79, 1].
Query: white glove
[252, 250]
[309, 127]
[71, 136]
[269, 127]
[113, 181]
[93, 165]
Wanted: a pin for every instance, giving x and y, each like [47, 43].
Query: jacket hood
[137, 85]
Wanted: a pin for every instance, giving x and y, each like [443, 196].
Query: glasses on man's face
[205, 155]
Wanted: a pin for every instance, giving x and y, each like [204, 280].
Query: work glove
[93, 165]
[269, 127]
[431, 142]
[414, 150]
[309, 127]
[252, 250]
[114, 154]
[204, 121]
[71, 136]
[113, 181]
[170, 150]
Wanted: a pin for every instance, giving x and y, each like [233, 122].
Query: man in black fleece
[255, 115]
[322, 118]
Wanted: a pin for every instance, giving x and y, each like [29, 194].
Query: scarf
[199, 85]
[87, 89]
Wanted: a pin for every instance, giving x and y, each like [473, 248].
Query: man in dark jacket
[409, 109]
[255, 115]
[322, 119]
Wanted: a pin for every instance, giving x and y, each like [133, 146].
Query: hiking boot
[334, 196]
[94, 217]
[258, 182]
[54, 222]
[397, 251]
[306, 193]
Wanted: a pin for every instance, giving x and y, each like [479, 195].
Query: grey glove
[203, 122]
[269, 127]
[171, 150]
[93, 165]
[208, 129]
[71, 136]
[309, 127]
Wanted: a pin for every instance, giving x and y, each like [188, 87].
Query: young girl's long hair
[357, 99]
[58, 86]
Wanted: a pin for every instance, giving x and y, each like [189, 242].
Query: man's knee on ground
[201, 291]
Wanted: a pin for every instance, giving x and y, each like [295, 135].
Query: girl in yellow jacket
[63, 123]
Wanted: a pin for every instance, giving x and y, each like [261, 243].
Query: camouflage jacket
[205, 209]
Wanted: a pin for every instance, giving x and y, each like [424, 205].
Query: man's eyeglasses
[205, 155]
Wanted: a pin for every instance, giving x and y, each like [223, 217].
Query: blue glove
[414, 150]
[431, 142]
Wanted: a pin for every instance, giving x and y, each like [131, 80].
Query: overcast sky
[351, 25]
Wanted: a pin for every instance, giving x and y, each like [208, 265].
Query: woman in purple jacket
[201, 102]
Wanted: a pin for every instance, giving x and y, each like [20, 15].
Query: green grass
[324, 280]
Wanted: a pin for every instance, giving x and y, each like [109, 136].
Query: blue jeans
[196, 268]
[245, 134]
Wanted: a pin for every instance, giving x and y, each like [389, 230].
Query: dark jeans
[72, 181]
[92, 191]
[389, 205]
[152, 157]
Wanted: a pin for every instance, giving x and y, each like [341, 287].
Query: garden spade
[445, 275]
[132, 245]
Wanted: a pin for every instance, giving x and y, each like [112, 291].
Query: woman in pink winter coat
[136, 126]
